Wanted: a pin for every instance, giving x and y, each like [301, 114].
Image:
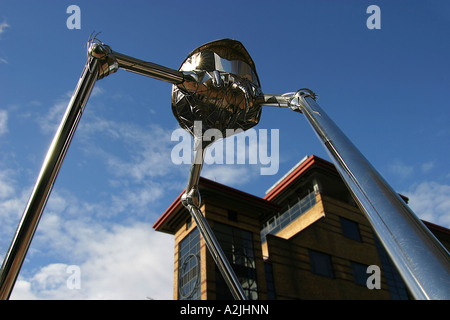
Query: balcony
[279, 222]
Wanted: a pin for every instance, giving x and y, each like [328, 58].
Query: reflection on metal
[44, 184]
[420, 258]
[217, 85]
[221, 88]
[102, 61]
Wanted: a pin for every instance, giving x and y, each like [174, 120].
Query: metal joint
[294, 102]
[108, 62]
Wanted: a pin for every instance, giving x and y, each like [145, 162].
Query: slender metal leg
[191, 200]
[47, 176]
[422, 261]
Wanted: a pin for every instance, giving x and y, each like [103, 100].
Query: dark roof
[176, 212]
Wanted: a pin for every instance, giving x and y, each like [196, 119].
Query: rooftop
[176, 213]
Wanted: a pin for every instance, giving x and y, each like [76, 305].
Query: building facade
[305, 239]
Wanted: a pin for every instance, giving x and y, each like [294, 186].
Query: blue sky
[387, 89]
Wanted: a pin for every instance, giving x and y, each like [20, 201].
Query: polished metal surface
[217, 86]
[420, 258]
[148, 69]
[112, 61]
[276, 100]
[191, 200]
[47, 176]
[221, 89]
[102, 61]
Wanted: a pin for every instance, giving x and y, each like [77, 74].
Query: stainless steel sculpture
[217, 86]
[220, 91]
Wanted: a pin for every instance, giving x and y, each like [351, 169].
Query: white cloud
[3, 122]
[118, 259]
[3, 26]
[431, 202]
[401, 170]
[127, 262]
[138, 199]
[49, 121]
[119, 255]
[427, 166]
[97, 91]
[22, 290]
[6, 184]
[232, 175]
[132, 262]
[12, 203]
[148, 149]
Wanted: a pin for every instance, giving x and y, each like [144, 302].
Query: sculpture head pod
[220, 89]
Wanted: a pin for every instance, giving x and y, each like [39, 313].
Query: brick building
[305, 239]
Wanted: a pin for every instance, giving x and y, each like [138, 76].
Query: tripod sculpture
[218, 87]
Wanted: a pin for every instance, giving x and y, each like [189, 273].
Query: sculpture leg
[191, 200]
[47, 176]
[422, 261]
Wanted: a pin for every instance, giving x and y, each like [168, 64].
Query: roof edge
[176, 204]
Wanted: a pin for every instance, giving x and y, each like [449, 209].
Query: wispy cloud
[232, 175]
[3, 27]
[427, 166]
[120, 256]
[148, 148]
[49, 121]
[3, 122]
[118, 259]
[12, 201]
[431, 202]
[126, 262]
[401, 170]
[404, 171]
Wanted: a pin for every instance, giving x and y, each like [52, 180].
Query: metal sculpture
[217, 86]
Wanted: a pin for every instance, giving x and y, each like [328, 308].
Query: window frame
[321, 263]
[350, 229]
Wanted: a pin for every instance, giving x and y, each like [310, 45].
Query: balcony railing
[279, 222]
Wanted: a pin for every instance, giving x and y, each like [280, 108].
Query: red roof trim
[238, 193]
[302, 168]
[217, 186]
[168, 212]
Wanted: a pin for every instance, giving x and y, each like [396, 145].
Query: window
[232, 215]
[188, 223]
[237, 245]
[321, 263]
[350, 229]
[189, 267]
[359, 273]
[396, 285]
